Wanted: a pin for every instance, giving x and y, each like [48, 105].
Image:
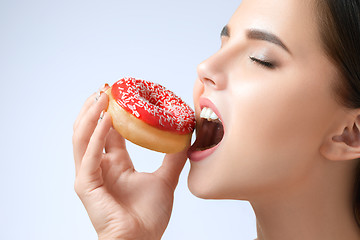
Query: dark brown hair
[339, 24]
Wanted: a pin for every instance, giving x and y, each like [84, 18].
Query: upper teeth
[208, 114]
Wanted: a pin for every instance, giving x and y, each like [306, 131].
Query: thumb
[172, 166]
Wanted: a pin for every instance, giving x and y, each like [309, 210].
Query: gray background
[53, 55]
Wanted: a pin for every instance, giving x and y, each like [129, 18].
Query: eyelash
[263, 63]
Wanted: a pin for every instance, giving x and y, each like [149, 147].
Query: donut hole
[149, 97]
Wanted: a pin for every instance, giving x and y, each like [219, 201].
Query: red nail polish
[104, 87]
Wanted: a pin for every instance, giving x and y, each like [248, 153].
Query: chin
[198, 186]
[201, 192]
[205, 187]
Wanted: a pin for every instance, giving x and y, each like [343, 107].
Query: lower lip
[197, 156]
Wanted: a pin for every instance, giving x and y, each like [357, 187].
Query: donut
[150, 116]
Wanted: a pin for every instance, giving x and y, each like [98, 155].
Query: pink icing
[154, 104]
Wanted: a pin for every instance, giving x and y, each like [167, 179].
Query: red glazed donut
[149, 115]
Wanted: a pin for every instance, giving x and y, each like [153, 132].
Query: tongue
[208, 134]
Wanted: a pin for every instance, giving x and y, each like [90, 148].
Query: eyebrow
[257, 34]
[266, 36]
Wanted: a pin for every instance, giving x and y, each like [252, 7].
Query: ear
[344, 146]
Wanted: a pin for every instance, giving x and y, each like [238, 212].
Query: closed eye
[263, 63]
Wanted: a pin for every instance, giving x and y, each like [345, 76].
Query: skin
[288, 148]
[121, 203]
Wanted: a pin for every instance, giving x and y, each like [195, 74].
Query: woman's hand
[121, 203]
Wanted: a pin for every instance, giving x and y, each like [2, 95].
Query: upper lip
[205, 102]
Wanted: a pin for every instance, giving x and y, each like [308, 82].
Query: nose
[212, 72]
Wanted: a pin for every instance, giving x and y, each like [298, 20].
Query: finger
[86, 128]
[172, 167]
[114, 141]
[116, 150]
[88, 103]
[94, 152]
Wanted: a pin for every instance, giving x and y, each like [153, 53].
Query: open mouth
[209, 131]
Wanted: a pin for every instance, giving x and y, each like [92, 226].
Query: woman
[286, 86]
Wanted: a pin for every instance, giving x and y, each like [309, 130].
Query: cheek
[279, 131]
[276, 119]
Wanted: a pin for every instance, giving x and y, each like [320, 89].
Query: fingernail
[97, 96]
[104, 87]
[101, 116]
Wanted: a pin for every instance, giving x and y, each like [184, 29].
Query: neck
[313, 208]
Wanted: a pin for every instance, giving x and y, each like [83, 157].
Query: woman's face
[270, 84]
